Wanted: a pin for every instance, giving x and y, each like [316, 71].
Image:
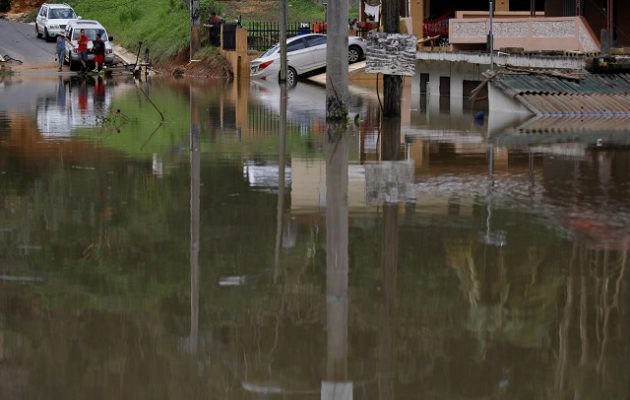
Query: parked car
[52, 20]
[91, 27]
[305, 53]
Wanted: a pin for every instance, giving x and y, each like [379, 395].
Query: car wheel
[74, 66]
[46, 35]
[354, 54]
[39, 35]
[291, 77]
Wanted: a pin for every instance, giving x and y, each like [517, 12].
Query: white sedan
[305, 53]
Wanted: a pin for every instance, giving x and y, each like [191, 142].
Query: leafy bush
[5, 5]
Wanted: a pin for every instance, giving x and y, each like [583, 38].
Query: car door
[68, 42]
[317, 46]
[299, 55]
[41, 18]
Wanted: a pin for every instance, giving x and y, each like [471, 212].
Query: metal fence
[263, 35]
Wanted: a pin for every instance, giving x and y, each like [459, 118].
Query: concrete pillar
[416, 8]
[502, 5]
[406, 100]
[434, 84]
[457, 95]
[415, 90]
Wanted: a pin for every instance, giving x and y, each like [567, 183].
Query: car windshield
[271, 50]
[61, 13]
[90, 33]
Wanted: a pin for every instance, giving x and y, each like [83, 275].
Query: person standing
[98, 47]
[83, 49]
[60, 50]
[213, 23]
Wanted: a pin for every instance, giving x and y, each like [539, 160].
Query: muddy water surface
[155, 243]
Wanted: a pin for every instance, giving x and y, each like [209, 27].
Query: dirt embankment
[24, 6]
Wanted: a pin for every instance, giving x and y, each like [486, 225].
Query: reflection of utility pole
[195, 188]
[389, 265]
[195, 24]
[391, 83]
[336, 386]
[281, 171]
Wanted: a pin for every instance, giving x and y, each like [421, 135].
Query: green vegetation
[160, 24]
[29, 17]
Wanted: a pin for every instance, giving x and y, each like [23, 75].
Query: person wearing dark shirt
[98, 47]
[213, 23]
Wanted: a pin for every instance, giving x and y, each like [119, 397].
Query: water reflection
[401, 259]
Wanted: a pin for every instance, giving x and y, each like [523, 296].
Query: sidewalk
[125, 55]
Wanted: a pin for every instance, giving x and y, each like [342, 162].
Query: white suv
[91, 28]
[52, 20]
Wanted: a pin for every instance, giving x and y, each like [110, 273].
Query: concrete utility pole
[195, 25]
[610, 23]
[283, 42]
[391, 83]
[336, 65]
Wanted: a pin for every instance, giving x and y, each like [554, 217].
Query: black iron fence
[263, 35]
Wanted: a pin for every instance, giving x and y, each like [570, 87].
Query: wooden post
[391, 83]
[336, 65]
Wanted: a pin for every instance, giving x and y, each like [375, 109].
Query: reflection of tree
[593, 290]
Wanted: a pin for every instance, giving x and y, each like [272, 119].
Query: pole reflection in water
[336, 385]
[389, 263]
[195, 185]
[281, 169]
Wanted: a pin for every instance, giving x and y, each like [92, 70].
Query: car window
[271, 51]
[296, 45]
[315, 40]
[90, 33]
[42, 12]
[61, 13]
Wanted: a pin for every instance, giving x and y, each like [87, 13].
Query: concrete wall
[531, 34]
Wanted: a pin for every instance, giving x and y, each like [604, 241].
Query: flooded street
[157, 242]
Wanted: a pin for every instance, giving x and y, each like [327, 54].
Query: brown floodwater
[167, 241]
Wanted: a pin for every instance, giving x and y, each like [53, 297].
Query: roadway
[19, 41]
